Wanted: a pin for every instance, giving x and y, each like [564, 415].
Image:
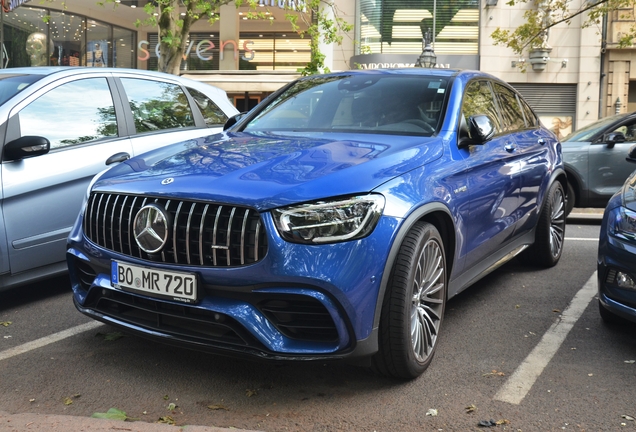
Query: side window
[510, 109]
[212, 114]
[479, 99]
[629, 130]
[74, 113]
[157, 105]
[531, 118]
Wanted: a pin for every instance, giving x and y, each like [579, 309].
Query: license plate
[158, 283]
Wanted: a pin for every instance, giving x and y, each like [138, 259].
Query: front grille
[182, 322]
[301, 318]
[202, 234]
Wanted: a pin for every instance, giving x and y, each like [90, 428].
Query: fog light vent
[611, 276]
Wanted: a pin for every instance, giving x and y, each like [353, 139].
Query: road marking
[522, 380]
[581, 239]
[39, 343]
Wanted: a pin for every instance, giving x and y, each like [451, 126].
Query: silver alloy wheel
[557, 222]
[427, 303]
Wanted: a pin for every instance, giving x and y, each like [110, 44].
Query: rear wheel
[550, 232]
[413, 306]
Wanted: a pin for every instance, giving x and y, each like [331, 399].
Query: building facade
[583, 75]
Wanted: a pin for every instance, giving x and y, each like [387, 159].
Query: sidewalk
[586, 213]
[63, 423]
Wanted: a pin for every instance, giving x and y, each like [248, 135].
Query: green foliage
[548, 13]
[113, 414]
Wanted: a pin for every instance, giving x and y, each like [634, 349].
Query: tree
[174, 28]
[534, 32]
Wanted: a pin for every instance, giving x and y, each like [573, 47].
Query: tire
[413, 306]
[550, 232]
[571, 199]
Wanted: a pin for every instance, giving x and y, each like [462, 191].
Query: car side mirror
[26, 147]
[631, 155]
[613, 138]
[481, 128]
[233, 120]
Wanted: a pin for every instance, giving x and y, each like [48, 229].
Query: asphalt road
[523, 347]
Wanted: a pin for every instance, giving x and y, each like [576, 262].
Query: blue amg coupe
[333, 221]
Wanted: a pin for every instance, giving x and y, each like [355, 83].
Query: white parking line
[39, 343]
[522, 380]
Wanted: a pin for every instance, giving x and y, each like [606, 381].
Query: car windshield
[12, 84]
[586, 133]
[394, 104]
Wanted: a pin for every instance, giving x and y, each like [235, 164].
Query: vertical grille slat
[199, 230]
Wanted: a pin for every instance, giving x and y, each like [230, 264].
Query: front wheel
[413, 306]
[550, 232]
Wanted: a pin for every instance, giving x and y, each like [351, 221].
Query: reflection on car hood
[270, 170]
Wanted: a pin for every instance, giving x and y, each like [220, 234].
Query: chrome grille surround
[202, 234]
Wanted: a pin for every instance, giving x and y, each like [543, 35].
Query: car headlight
[329, 221]
[622, 224]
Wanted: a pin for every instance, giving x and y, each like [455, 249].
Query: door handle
[117, 157]
[510, 147]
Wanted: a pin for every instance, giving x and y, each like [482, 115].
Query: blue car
[617, 254]
[333, 221]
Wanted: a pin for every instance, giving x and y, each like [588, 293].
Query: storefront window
[41, 37]
[123, 47]
[67, 34]
[396, 27]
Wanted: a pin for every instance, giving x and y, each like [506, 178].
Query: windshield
[586, 133]
[12, 84]
[398, 104]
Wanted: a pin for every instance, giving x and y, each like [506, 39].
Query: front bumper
[301, 302]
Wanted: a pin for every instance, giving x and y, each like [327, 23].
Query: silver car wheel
[557, 222]
[427, 302]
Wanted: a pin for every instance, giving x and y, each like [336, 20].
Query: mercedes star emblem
[151, 228]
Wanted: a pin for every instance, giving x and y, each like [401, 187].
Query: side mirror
[613, 138]
[631, 155]
[481, 128]
[233, 120]
[26, 147]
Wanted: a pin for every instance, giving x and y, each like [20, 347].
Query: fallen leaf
[112, 414]
[626, 417]
[517, 306]
[502, 421]
[5, 323]
[68, 401]
[218, 407]
[590, 374]
[250, 393]
[166, 419]
[31, 400]
[470, 408]
[165, 397]
[431, 412]
[494, 372]
[630, 361]
[556, 310]
[171, 407]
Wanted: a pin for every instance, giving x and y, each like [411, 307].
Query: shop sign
[203, 50]
[13, 4]
[297, 5]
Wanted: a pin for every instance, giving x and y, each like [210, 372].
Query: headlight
[622, 224]
[329, 221]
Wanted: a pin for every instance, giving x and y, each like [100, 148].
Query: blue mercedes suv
[333, 221]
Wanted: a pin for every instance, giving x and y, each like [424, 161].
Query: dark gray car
[595, 162]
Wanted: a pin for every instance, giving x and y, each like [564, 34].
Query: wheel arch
[438, 215]
[574, 180]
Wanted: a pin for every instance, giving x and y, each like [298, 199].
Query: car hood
[270, 170]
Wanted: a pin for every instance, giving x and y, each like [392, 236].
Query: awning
[244, 81]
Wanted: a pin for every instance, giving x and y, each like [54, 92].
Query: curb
[28, 422]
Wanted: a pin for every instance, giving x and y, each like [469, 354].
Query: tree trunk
[172, 38]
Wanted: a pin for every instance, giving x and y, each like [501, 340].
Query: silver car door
[43, 194]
